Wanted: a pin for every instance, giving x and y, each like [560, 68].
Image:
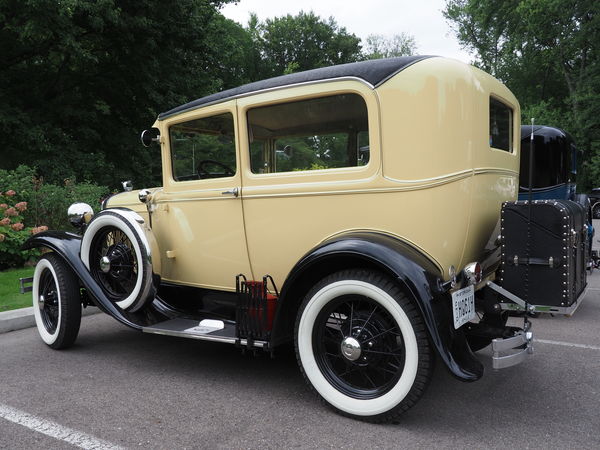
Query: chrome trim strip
[264, 91]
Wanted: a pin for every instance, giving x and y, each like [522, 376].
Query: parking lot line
[55, 430]
[567, 344]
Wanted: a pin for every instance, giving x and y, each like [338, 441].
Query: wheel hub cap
[351, 349]
[105, 264]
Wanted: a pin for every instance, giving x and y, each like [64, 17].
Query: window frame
[170, 184]
[304, 135]
[307, 91]
[511, 125]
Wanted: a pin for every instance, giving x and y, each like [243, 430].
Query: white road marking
[566, 344]
[55, 430]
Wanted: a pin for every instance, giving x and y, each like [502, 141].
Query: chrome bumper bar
[520, 347]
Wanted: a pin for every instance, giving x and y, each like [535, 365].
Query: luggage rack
[255, 310]
[518, 304]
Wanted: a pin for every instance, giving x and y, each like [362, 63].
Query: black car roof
[543, 130]
[374, 72]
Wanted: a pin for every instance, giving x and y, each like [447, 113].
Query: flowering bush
[45, 202]
[13, 232]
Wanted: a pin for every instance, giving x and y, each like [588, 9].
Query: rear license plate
[463, 306]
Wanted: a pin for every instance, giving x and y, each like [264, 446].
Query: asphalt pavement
[120, 388]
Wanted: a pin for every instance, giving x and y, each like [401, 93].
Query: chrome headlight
[80, 214]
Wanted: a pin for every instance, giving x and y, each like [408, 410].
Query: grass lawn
[10, 298]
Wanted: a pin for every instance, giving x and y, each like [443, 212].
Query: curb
[19, 319]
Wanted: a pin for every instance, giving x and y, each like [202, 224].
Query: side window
[320, 133]
[501, 125]
[203, 148]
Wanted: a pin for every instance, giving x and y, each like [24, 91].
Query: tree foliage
[379, 46]
[305, 41]
[547, 52]
[79, 76]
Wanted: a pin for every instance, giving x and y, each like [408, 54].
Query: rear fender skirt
[419, 275]
[67, 245]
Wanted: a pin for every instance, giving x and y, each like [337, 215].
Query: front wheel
[362, 345]
[56, 302]
[115, 250]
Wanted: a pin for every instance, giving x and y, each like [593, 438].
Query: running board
[205, 330]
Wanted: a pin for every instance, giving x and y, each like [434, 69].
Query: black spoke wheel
[56, 301]
[114, 262]
[117, 253]
[362, 345]
[48, 301]
[358, 347]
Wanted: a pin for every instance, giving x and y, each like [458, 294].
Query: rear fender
[419, 276]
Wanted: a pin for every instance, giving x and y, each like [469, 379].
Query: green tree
[80, 78]
[305, 41]
[547, 52]
[378, 46]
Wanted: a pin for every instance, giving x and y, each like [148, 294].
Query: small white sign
[463, 305]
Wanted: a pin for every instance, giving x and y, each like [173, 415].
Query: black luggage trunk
[544, 263]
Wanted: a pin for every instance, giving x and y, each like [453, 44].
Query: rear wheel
[362, 345]
[56, 302]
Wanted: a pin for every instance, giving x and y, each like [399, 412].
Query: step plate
[193, 329]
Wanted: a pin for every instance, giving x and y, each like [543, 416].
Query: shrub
[48, 203]
[28, 205]
[13, 232]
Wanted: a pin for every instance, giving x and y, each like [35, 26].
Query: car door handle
[235, 192]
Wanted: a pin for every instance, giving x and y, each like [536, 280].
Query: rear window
[501, 125]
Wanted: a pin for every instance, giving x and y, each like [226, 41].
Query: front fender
[67, 245]
[419, 275]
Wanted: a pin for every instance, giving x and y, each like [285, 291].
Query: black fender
[420, 277]
[67, 245]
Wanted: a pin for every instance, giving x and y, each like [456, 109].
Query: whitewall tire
[362, 345]
[116, 251]
[56, 301]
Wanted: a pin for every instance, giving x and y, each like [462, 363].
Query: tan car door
[198, 220]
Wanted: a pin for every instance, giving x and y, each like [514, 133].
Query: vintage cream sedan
[352, 210]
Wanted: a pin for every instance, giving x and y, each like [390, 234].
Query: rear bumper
[514, 350]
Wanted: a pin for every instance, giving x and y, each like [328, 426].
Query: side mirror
[149, 136]
[127, 185]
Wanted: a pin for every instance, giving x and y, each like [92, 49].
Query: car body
[368, 193]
